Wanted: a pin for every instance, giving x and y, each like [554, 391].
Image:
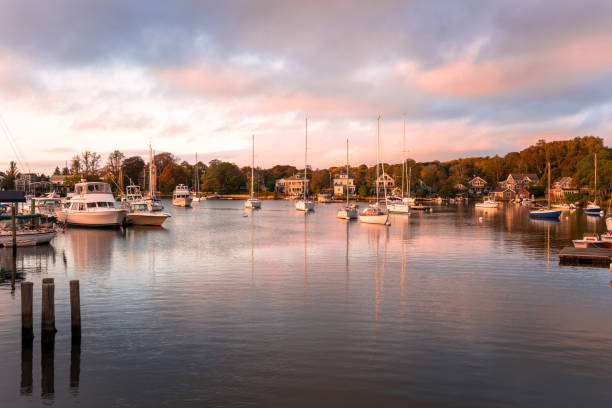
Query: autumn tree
[113, 164]
[132, 168]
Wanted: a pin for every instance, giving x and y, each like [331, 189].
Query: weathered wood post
[47, 365]
[75, 308]
[27, 323]
[14, 232]
[48, 307]
[32, 210]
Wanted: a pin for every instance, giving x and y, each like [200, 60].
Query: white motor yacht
[141, 213]
[92, 205]
[487, 204]
[47, 205]
[181, 196]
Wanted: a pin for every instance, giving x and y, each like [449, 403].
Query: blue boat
[545, 213]
[592, 209]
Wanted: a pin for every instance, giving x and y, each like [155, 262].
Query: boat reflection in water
[93, 246]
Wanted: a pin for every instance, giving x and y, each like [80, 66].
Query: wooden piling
[47, 365]
[75, 364]
[26, 366]
[75, 308]
[27, 322]
[48, 307]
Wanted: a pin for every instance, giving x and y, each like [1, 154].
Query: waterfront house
[561, 187]
[524, 193]
[58, 179]
[477, 185]
[503, 193]
[344, 182]
[384, 182]
[23, 181]
[516, 181]
[293, 185]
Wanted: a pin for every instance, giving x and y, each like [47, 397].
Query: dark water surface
[282, 309]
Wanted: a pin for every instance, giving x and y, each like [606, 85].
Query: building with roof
[293, 185]
[516, 181]
[344, 182]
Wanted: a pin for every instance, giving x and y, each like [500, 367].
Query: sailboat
[592, 208]
[156, 204]
[196, 182]
[349, 211]
[400, 205]
[546, 212]
[374, 214]
[305, 204]
[253, 202]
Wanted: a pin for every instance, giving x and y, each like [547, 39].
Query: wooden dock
[599, 256]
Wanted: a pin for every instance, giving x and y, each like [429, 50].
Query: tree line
[572, 158]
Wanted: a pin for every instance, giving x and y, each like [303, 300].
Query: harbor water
[458, 307]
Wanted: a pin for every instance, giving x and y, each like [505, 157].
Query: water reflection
[28, 260]
[47, 365]
[75, 364]
[93, 245]
[26, 365]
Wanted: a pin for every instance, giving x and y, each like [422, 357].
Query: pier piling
[75, 308]
[48, 307]
[27, 324]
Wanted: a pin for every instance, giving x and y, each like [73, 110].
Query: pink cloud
[468, 76]
[206, 80]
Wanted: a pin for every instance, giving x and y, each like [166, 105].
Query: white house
[344, 182]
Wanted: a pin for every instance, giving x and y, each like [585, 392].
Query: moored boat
[181, 197]
[92, 205]
[374, 214]
[140, 213]
[253, 203]
[487, 204]
[591, 241]
[305, 204]
[546, 212]
[27, 237]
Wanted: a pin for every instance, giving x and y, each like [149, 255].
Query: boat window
[79, 189]
[111, 205]
[91, 205]
[90, 187]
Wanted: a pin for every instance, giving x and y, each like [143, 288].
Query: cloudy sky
[472, 77]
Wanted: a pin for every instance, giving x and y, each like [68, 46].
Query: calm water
[283, 309]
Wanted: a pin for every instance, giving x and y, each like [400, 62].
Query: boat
[374, 214]
[196, 181]
[546, 212]
[324, 198]
[349, 211]
[398, 205]
[591, 241]
[563, 206]
[609, 222]
[305, 204]
[592, 208]
[253, 202]
[490, 203]
[27, 237]
[141, 213]
[92, 205]
[132, 193]
[47, 205]
[181, 197]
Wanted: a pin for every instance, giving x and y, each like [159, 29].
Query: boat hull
[304, 205]
[609, 223]
[381, 219]
[155, 220]
[181, 202]
[548, 214]
[347, 214]
[27, 238]
[398, 208]
[252, 204]
[109, 218]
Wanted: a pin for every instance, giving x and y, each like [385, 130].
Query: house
[503, 193]
[561, 187]
[477, 185]
[344, 182]
[58, 179]
[293, 185]
[383, 183]
[460, 187]
[524, 193]
[516, 181]
[23, 181]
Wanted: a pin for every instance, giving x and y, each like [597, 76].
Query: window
[91, 205]
[90, 187]
[79, 189]
[111, 205]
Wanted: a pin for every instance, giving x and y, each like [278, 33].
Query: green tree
[113, 164]
[132, 169]
[8, 183]
[56, 172]
[171, 177]
[223, 177]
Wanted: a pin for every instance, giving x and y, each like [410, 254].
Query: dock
[599, 256]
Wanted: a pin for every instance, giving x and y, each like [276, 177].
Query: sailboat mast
[347, 174]
[403, 156]
[252, 166]
[409, 179]
[548, 164]
[595, 198]
[306, 161]
[377, 156]
[196, 180]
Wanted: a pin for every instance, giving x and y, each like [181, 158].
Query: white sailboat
[399, 205]
[592, 208]
[349, 211]
[374, 214]
[253, 202]
[196, 182]
[546, 212]
[156, 204]
[305, 204]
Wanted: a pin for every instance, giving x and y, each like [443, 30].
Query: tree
[132, 169]
[75, 164]
[114, 163]
[164, 159]
[170, 178]
[8, 183]
[56, 172]
[91, 163]
[223, 177]
[320, 180]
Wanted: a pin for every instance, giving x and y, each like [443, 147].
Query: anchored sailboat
[253, 202]
[592, 208]
[305, 204]
[374, 214]
[400, 205]
[546, 212]
[349, 211]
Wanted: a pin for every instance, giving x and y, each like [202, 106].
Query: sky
[471, 77]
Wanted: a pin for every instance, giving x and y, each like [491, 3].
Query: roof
[12, 196]
[517, 176]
